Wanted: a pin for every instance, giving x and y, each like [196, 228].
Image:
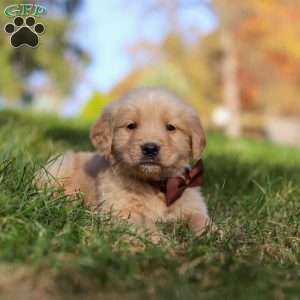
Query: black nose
[150, 149]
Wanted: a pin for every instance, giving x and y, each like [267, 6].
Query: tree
[253, 57]
[191, 63]
[230, 18]
[55, 55]
[273, 31]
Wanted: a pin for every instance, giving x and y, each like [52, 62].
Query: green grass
[253, 195]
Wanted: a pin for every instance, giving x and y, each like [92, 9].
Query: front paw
[156, 237]
[199, 224]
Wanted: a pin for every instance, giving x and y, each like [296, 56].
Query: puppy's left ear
[198, 137]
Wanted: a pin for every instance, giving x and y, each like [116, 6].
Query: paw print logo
[24, 33]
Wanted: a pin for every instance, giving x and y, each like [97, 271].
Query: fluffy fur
[117, 176]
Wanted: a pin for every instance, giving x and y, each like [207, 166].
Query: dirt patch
[22, 283]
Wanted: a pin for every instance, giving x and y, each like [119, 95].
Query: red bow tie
[174, 187]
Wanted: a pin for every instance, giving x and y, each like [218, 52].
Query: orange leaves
[268, 43]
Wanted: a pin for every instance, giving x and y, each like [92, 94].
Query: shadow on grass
[253, 190]
[71, 133]
[77, 139]
[240, 176]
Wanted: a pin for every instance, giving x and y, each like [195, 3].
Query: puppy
[143, 139]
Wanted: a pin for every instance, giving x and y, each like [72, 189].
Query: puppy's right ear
[198, 138]
[101, 133]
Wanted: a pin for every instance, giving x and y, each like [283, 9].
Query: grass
[65, 251]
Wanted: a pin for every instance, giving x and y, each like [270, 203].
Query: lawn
[52, 247]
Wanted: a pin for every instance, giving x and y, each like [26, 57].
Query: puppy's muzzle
[150, 150]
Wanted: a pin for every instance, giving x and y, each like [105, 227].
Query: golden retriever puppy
[143, 139]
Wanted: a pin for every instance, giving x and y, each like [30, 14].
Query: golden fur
[117, 177]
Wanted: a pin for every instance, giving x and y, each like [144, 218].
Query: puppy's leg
[144, 225]
[193, 207]
[68, 172]
[199, 222]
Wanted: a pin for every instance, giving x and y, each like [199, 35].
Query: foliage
[264, 46]
[266, 38]
[61, 248]
[179, 67]
[94, 106]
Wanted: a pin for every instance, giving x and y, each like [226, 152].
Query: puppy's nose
[150, 149]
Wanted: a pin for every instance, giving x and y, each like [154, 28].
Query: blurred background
[237, 62]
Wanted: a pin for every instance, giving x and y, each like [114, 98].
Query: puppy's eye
[132, 126]
[170, 127]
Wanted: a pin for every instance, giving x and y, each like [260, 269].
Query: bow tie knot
[174, 187]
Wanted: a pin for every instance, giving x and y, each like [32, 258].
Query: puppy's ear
[101, 133]
[198, 138]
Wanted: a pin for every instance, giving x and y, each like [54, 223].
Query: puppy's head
[150, 133]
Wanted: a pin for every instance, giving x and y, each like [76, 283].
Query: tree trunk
[230, 84]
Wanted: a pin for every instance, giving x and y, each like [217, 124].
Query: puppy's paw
[199, 224]
[157, 237]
